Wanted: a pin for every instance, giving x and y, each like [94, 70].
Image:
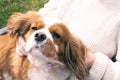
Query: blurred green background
[7, 7]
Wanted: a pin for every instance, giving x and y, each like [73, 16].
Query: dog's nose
[40, 37]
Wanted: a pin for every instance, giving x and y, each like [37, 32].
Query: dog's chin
[36, 50]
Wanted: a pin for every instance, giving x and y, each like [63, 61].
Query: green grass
[7, 7]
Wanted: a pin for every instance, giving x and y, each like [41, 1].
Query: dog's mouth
[36, 49]
[46, 48]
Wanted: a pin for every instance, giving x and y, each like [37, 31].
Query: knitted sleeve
[104, 69]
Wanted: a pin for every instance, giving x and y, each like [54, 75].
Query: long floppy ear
[71, 51]
[74, 56]
[17, 24]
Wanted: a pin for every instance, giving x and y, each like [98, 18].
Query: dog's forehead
[48, 21]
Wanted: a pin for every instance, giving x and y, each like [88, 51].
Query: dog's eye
[55, 35]
[34, 28]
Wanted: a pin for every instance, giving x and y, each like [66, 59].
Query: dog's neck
[44, 61]
[47, 69]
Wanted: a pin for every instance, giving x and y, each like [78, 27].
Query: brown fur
[19, 25]
[71, 50]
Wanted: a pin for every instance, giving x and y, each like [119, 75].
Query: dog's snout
[40, 37]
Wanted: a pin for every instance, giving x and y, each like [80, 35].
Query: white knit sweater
[97, 24]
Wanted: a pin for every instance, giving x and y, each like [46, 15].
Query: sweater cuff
[98, 68]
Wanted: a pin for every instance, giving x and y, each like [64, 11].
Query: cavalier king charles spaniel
[27, 51]
[35, 48]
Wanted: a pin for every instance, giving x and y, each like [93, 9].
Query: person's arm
[104, 69]
[48, 8]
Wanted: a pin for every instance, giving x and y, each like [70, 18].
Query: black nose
[40, 37]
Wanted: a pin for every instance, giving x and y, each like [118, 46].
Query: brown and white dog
[70, 49]
[27, 33]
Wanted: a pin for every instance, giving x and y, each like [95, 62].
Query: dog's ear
[74, 56]
[20, 45]
[18, 24]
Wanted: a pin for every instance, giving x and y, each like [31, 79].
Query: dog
[27, 51]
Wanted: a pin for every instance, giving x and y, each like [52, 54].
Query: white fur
[40, 70]
[6, 76]
[20, 46]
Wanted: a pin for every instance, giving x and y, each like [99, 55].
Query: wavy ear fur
[18, 24]
[74, 57]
